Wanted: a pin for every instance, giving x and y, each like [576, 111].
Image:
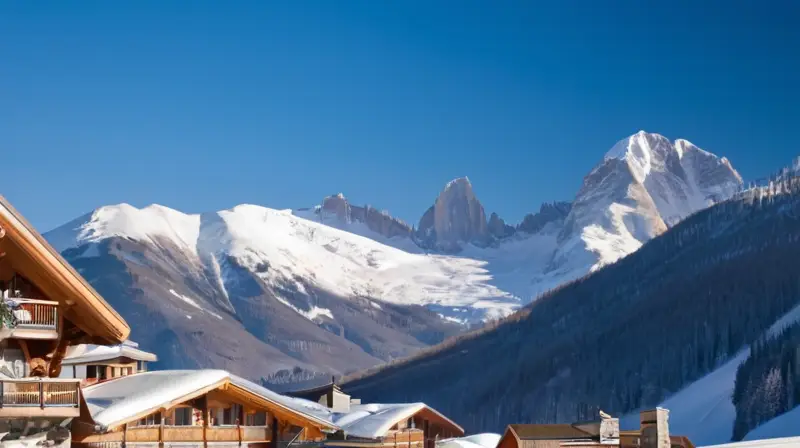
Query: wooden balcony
[195, 434]
[34, 319]
[34, 397]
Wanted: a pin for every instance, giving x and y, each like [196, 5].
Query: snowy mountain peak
[644, 184]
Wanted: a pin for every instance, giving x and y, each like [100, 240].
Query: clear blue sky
[204, 105]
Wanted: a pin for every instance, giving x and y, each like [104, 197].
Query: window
[184, 417]
[151, 420]
[226, 416]
[259, 418]
[91, 371]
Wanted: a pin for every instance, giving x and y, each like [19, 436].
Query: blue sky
[204, 105]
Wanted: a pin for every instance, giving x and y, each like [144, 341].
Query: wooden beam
[54, 368]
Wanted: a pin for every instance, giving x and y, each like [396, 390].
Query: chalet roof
[549, 432]
[314, 393]
[785, 442]
[87, 353]
[128, 398]
[372, 421]
[483, 440]
[34, 258]
[676, 441]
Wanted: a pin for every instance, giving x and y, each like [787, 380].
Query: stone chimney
[654, 426]
[609, 429]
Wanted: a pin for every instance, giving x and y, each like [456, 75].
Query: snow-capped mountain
[644, 185]
[703, 320]
[341, 286]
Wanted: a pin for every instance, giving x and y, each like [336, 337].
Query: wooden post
[273, 443]
[124, 435]
[204, 404]
[161, 429]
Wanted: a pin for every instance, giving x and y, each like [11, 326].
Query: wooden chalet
[51, 307]
[193, 408]
[653, 433]
[94, 363]
[412, 425]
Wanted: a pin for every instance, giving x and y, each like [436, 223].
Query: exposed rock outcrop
[548, 212]
[457, 217]
[498, 228]
[378, 221]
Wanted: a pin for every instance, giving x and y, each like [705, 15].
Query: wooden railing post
[41, 394]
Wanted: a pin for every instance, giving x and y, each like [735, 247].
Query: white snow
[765, 443]
[193, 303]
[301, 249]
[86, 353]
[375, 420]
[114, 402]
[704, 410]
[784, 425]
[483, 440]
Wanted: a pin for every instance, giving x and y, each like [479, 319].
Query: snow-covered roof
[483, 440]
[372, 421]
[127, 398]
[86, 353]
[763, 443]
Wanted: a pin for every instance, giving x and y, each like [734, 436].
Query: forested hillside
[768, 382]
[625, 337]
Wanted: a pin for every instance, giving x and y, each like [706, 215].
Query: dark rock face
[378, 221]
[548, 212]
[456, 217]
[498, 228]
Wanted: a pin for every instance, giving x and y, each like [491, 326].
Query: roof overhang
[33, 257]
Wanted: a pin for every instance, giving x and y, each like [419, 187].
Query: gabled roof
[128, 398]
[88, 353]
[314, 393]
[549, 432]
[34, 258]
[372, 421]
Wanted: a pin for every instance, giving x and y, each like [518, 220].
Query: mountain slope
[644, 184]
[627, 336]
[339, 287]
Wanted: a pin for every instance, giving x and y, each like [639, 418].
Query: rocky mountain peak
[378, 221]
[548, 212]
[455, 217]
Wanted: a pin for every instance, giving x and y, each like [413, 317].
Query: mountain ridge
[357, 286]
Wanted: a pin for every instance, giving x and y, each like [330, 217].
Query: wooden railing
[143, 434]
[36, 314]
[44, 393]
[183, 433]
[222, 433]
[255, 433]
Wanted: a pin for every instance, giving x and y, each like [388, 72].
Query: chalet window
[259, 418]
[96, 372]
[184, 417]
[151, 420]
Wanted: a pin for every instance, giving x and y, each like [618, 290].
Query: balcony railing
[35, 314]
[34, 396]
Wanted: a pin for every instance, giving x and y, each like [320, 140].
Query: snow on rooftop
[116, 401]
[85, 353]
[763, 443]
[483, 440]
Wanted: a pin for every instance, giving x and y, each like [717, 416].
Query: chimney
[654, 428]
[609, 429]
